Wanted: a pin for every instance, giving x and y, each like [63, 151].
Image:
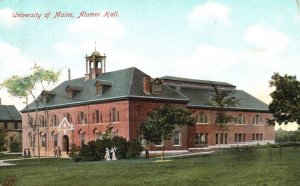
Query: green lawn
[9, 156]
[261, 167]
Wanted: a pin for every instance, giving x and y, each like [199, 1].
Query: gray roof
[202, 98]
[9, 113]
[128, 83]
[123, 84]
[181, 80]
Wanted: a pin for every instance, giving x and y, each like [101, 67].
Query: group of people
[57, 152]
[26, 153]
[107, 156]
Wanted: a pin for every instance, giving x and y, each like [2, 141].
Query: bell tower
[95, 65]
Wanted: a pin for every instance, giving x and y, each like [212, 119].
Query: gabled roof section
[9, 113]
[202, 98]
[121, 84]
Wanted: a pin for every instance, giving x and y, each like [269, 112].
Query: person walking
[28, 153]
[59, 152]
[24, 153]
[55, 152]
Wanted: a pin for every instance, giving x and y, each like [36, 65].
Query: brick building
[79, 110]
[11, 122]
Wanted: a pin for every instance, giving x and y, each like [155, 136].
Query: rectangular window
[55, 139]
[16, 125]
[197, 139]
[261, 137]
[236, 137]
[217, 138]
[253, 136]
[44, 141]
[257, 136]
[82, 136]
[225, 139]
[158, 143]
[176, 138]
[221, 138]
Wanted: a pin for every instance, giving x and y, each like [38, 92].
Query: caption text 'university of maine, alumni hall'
[79, 110]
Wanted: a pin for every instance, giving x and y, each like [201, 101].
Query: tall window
[201, 138]
[257, 119]
[240, 119]
[98, 136]
[221, 138]
[176, 138]
[82, 137]
[54, 120]
[97, 117]
[42, 121]
[44, 137]
[30, 122]
[82, 118]
[99, 90]
[202, 118]
[55, 140]
[114, 115]
[16, 125]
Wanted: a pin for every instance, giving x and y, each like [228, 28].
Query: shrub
[95, 150]
[15, 146]
[74, 153]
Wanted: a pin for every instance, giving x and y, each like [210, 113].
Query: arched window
[201, 118]
[97, 118]
[257, 119]
[82, 118]
[240, 119]
[42, 121]
[68, 116]
[114, 115]
[54, 120]
[30, 122]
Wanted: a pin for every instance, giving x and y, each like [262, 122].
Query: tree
[285, 105]
[33, 86]
[2, 138]
[162, 121]
[222, 103]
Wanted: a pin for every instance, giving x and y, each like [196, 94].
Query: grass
[9, 156]
[231, 167]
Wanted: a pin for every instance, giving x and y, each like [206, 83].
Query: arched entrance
[65, 143]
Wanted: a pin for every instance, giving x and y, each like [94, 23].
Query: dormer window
[72, 91]
[156, 86]
[101, 86]
[47, 96]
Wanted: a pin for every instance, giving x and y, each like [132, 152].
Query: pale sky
[239, 42]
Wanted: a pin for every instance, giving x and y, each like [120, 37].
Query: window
[99, 90]
[240, 119]
[68, 116]
[55, 140]
[16, 125]
[114, 115]
[69, 94]
[97, 117]
[201, 138]
[257, 119]
[42, 122]
[176, 138]
[82, 118]
[222, 137]
[257, 136]
[11, 139]
[30, 122]
[202, 118]
[240, 137]
[54, 120]
[44, 140]
[158, 143]
[157, 87]
[5, 125]
[82, 136]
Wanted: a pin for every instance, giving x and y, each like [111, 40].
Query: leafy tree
[32, 86]
[285, 105]
[15, 146]
[162, 121]
[222, 102]
[2, 138]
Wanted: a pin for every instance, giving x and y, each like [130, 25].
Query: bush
[15, 146]
[74, 153]
[95, 150]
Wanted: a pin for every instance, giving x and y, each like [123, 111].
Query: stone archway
[65, 143]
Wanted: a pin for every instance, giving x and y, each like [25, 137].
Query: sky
[239, 42]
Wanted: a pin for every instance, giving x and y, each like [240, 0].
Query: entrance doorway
[65, 143]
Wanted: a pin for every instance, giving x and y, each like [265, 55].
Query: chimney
[146, 84]
[69, 74]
